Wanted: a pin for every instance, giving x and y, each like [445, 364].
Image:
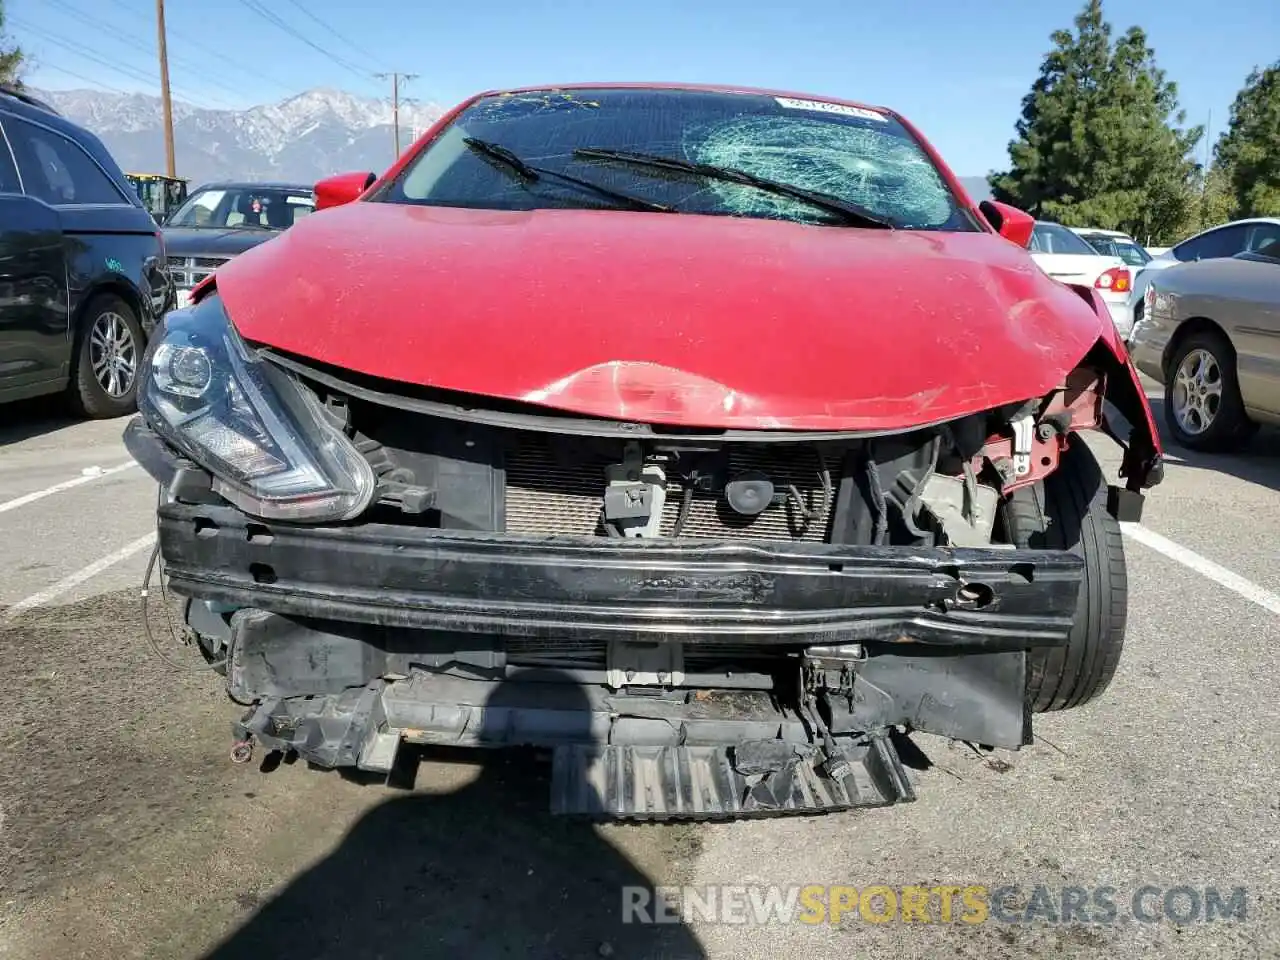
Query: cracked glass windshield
[860, 157]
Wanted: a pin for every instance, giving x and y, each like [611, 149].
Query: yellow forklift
[161, 195]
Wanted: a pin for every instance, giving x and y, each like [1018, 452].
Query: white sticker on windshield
[821, 106]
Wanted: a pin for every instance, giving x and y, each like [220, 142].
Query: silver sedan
[1210, 333]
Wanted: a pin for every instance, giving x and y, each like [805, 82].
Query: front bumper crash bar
[604, 589]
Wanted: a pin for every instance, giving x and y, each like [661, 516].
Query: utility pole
[1208, 155]
[170, 167]
[396, 79]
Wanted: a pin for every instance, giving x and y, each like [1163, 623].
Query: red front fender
[1143, 463]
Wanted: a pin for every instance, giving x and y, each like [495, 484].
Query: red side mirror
[342, 188]
[1010, 222]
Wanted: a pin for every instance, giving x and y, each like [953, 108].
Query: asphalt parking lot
[126, 832]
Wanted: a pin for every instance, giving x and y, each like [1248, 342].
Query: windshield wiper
[531, 174]
[496, 151]
[850, 213]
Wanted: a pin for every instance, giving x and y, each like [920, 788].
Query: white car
[1115, 243]
[1224, 241]
[1065, 256]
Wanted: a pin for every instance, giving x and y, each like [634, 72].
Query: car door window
[1226, 242]
[56, 169]
[1263, 234]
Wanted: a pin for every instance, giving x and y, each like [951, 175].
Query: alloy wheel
[113, 354]
[1197, 391]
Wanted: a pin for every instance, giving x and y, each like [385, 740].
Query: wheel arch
[1188, 328]
[108, 286]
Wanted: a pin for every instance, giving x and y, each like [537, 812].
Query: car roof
[22, 104]
[1099, 232]
[23, 96]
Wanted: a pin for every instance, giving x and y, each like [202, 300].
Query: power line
[223, 59]
[133, 73]
[132, 39]
[123, 69]
[81, 76]
[315, 19]
[273, 19]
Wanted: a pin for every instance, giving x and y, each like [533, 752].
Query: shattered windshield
[859, 156]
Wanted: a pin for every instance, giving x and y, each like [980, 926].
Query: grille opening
[188, 271]
[549, 493]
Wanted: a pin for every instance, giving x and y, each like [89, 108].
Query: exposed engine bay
[938, 485]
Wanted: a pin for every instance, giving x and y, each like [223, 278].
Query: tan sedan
[1211, 334]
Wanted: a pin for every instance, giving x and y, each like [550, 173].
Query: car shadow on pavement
[24, 419]
[483, 872]
[1257, 461]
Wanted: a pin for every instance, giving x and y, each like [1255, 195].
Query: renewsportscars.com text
[968, 904]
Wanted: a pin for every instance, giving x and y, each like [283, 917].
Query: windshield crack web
[879, 171]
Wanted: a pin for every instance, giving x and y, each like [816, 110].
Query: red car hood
[686, 320]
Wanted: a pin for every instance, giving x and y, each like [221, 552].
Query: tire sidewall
[87, 394]
[1067, 511]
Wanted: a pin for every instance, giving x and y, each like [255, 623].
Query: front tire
[1202, 402]
[108, 357]
[1067, 511]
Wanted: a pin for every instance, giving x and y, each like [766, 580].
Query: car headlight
[264, 437]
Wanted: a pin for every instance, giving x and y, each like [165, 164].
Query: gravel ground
[126, 832]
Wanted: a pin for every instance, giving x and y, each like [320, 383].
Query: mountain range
[300, 139]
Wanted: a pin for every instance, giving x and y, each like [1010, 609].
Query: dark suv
[83, 278]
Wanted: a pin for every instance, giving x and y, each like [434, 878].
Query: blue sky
[957, 75]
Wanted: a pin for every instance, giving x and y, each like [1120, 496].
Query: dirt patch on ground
[105, 743]
[127, 832]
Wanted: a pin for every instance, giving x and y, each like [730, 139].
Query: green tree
[1216, 201]
[10, 57]
[1247, 154]
[1099, 142]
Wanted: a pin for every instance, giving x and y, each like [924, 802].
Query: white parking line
[77, 578]
[1204, 566]
[87, 476]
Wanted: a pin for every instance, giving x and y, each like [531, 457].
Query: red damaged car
[712, 438]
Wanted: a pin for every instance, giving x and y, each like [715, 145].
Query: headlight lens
[264, 437]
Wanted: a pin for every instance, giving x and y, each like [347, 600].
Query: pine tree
[1248, 152]
[1098, 141]
[10, 58]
